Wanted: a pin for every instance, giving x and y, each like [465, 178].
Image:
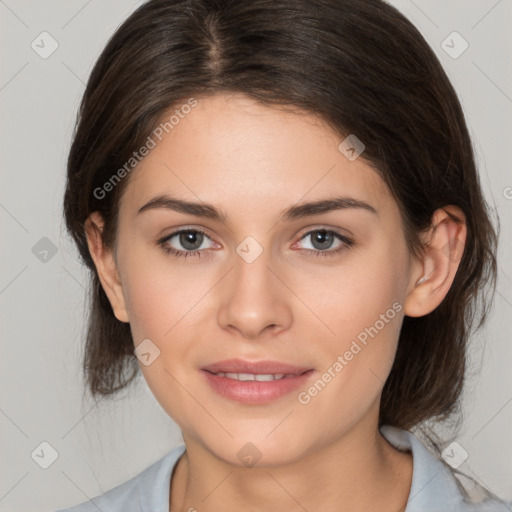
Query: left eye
[322, 239]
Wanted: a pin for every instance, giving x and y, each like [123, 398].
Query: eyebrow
[294, 212]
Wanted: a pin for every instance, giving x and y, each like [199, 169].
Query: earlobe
[105, 266]
[443, 250]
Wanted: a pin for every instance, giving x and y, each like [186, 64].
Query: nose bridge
[252, 262]
[255, 298]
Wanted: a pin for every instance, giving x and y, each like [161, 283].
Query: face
[322, 290]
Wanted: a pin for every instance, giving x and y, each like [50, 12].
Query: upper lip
[255, 367]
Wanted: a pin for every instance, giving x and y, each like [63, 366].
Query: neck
[354, 473]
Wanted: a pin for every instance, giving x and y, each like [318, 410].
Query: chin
[254, 450]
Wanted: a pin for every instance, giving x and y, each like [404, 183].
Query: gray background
[42, 295]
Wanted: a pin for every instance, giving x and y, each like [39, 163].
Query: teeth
[269, 376]
[252, 376]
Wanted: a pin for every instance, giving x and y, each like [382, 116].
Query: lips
[255, 382]
[255, 367]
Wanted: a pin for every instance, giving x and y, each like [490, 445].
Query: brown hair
[358, 64]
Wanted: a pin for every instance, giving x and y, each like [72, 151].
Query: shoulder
[146, 492]
[434, 487]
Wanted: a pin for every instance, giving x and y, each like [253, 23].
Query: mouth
[252, 382]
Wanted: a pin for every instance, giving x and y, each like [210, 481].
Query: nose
[254, 299]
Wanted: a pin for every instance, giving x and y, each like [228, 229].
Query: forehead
[235, 152]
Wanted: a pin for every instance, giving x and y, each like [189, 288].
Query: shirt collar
[433, 485]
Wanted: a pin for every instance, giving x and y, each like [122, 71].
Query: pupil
[190, 238]
[324, 238]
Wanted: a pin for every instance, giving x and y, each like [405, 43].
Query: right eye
[190, 239]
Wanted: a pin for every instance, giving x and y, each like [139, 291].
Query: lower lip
[252, 391]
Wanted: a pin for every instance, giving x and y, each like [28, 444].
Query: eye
[190, 239]
[323, 239]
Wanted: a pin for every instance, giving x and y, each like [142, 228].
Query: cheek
[158, 295]
[363, 306]
[162, 304]
[358, 293]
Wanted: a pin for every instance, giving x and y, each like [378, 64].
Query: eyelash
[347, 243]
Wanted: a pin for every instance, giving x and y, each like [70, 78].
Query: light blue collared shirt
[434, 487]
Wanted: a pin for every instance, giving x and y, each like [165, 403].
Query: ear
[434, 272]
[106, 265]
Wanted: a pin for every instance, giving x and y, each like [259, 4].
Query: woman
[279, 206]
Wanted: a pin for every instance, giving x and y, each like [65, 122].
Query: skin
[252, 162]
